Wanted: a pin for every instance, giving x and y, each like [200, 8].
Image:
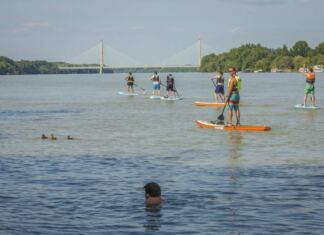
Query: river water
[213, 182]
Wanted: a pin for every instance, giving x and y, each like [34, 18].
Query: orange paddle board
[209, 104]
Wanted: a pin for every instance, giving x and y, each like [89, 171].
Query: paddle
[220, 119]
[213, 83]
[166, 96]
[144, 91]
[305, 70]
[176, 91]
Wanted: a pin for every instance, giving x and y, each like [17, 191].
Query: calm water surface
[213, 182]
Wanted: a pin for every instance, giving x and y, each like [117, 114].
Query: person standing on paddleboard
[219, 88]
[170, 85]
[233, 96]
[130, 82]
[156, 84]
[309, 86]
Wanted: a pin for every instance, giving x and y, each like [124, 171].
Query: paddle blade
[221, 117]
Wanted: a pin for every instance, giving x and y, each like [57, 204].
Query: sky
[151, 30]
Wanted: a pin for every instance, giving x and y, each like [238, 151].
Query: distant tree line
[8, 66]
[252, 57]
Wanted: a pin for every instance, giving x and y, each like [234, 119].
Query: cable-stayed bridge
[102, 56]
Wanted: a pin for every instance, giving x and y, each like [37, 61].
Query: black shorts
[219, 89]
[170, 87]
[130, 84]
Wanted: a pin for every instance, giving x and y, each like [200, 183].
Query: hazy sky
[151, 30]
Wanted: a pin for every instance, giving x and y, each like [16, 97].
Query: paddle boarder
[218, 82]
[233, 96]
[156, 84]
[170, 85]
[309, 88]
[130, 82]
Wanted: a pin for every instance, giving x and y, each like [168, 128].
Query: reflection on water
[153, 218]
[311, 115]
[234, 140]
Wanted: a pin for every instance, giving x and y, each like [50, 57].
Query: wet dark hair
[152, 189]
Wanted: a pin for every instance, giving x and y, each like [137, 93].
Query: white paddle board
[155, 97]
[127, 93]
[172, 98]
[301, 106]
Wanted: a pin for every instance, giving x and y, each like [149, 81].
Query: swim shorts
[156, 86]
[234, 102]
[170, 87]
[309, 89]
[219, 89]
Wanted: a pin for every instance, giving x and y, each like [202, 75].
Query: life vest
[130, 79]
[220, 80]
[237, 84]
[170, 80]
[310, 78]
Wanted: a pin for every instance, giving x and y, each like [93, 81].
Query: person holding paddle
[170, 85]
[233, 96]
[219, 87]
[156, 84]
[130, 82]
[309, 87]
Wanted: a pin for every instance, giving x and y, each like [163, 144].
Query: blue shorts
[234, 102]
[156, 86]
[219, 89]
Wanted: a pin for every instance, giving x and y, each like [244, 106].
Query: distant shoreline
[246, 58]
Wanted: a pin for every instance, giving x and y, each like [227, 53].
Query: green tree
[263, 64]
[299, 61]
[320, 48]
[284, 51]
[283, 63]
[318, 59]
[300, 48]
[7, 66]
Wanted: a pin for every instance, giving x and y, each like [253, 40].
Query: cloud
[235, 30]
[25, 27]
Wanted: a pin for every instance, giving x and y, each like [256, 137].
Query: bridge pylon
[101, 62]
